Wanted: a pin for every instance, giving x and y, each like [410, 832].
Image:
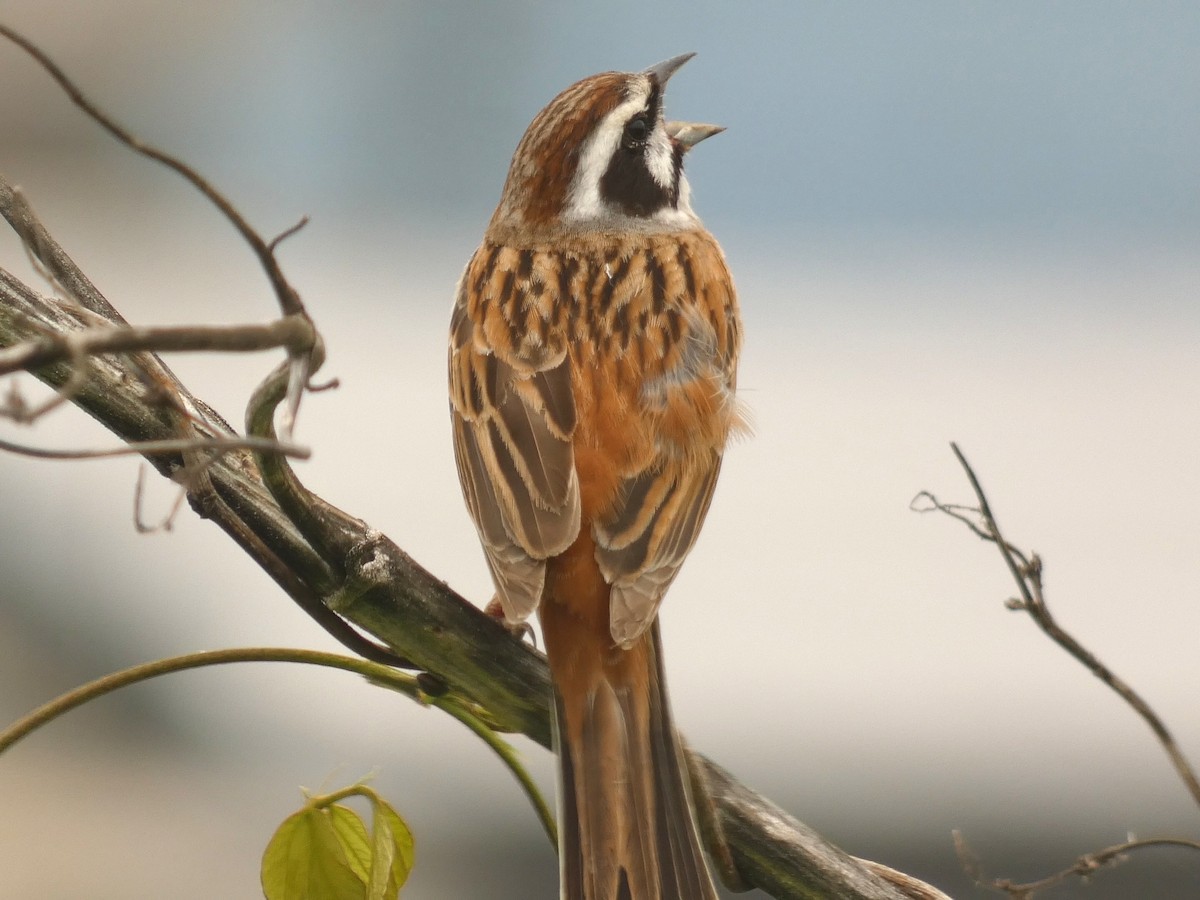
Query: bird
[593, 353]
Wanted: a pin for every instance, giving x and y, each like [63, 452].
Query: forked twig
[200, 431]
[304, 360]
[1026, 570]
[1027, 573]
[289, 300]
[1085, 865]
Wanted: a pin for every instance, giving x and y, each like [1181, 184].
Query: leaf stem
[385, 676]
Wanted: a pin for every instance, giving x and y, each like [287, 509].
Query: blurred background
[970, 222]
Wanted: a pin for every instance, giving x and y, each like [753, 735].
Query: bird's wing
[513, 417]
[692, 410]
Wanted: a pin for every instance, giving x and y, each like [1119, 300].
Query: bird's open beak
[664, 70]
[689, 134]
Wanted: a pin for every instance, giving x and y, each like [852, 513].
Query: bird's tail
[626, 828]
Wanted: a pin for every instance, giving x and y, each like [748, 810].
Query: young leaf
[305, 860]
[352, 835]
[393, 844]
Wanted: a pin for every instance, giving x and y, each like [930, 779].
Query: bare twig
[289, 300]
[52, 262]
[19, 411]
[1084, 866]
[1026, 570]
[287, 233]
[305, 359]
[177, 445]
[139, 490]
[289, 332]
[295, 333]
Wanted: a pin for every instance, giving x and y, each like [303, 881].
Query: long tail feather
[626, 825]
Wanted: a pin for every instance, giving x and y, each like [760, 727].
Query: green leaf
[306, 860]
[381, 885]
[323, 852]
[393, 843]
[352, 835]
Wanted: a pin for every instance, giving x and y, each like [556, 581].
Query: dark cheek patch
[628, 185]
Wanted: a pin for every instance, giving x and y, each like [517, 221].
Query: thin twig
[289, 300]
[1026, 570]
[1027, 573]
[287, 233]
[139, 490]
[292, 332]
[179, 445]
[24, 414]
[305, 359]
[1085, 865]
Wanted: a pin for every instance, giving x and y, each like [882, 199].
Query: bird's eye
[636, 131]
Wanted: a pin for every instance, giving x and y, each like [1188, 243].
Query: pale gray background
[948, 221]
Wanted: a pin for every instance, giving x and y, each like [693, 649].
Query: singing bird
[593, 356]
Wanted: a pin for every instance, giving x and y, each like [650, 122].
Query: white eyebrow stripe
[584, 200]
